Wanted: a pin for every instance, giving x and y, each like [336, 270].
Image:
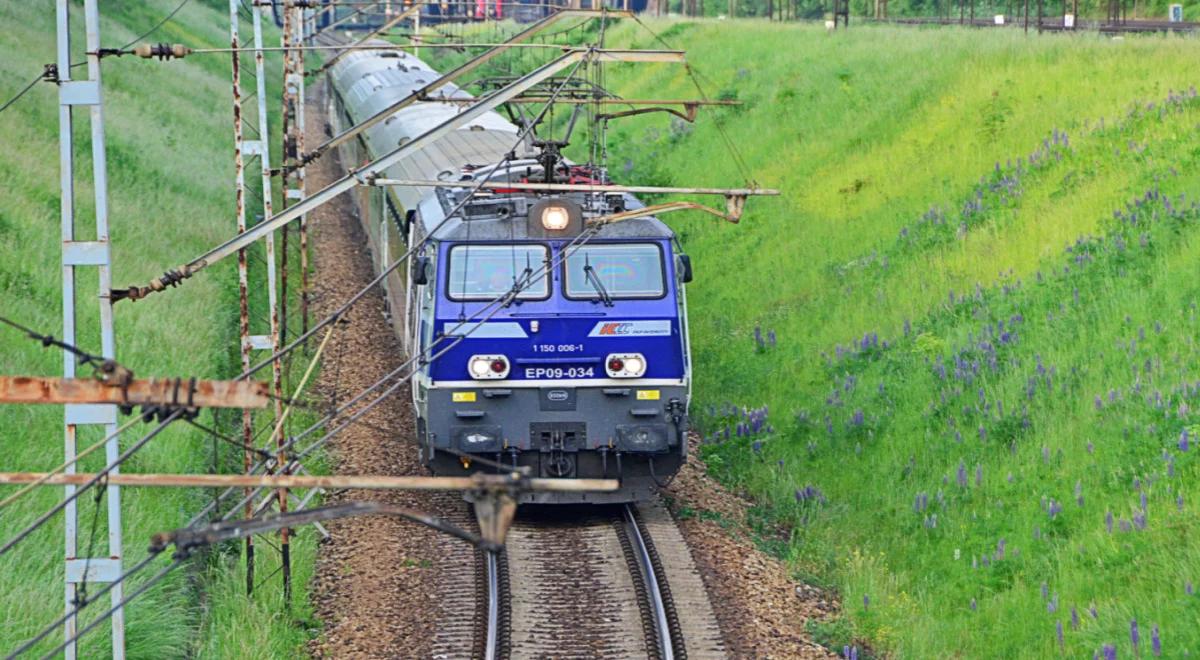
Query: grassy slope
[169, 168]
[867, 131]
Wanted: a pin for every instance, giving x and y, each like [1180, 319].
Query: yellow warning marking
[647, 395]
[467, 397]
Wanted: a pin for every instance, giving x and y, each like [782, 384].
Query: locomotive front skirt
[542, 342]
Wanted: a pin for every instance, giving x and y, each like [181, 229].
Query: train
[458, 11]
[542, 342]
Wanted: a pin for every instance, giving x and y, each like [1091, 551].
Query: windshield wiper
[518, 286]
[594, 279]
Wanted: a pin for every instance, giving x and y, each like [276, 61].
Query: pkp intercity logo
[631, 329]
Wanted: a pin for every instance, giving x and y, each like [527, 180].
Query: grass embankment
[170, 170]
[947, 408]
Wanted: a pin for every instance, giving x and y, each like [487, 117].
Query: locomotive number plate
[535, 373]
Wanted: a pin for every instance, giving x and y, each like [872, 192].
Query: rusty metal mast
[248, 149]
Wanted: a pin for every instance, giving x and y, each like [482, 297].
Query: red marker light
[616, 364]
[499, 366]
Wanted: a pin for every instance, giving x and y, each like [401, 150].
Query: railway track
[582, 583]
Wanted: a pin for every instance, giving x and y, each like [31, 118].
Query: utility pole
[245, 149]
[77, 254]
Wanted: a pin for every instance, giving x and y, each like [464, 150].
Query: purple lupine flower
[1093, 612]
[974, 605]
[1074, 618]
[1155, 641]
[1045, 591]
[1110, 652]
[1059, 630]
[846, 651]
[1099, 402]
[1143, 502]
[1187, 588]
[961, 475]
[853, 653]
[1108, 521]
[1139, 521]
[757, 447]
[866, 602]
[982, 433]
[1091, 448]
[1183, 440]
[1134, 637]
[858, 418]
[1000, 550]
[771, 338]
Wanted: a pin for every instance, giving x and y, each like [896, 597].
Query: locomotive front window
[614, 271]
[484, 272]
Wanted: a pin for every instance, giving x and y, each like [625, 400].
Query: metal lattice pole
[241, 148]
[76, 254]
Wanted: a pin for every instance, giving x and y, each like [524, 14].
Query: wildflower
[757, 447]
[1079, 493]
[858, 418]
[1091, 448]
[1183, 440]
[1059, 630]
[962, 474]
[1179, 502]
[866, 601]
[1155, 642]
[1110, 652]
[1045, 592]
[1108, 521]
[1074, 618]
[1134, 637]
[1052, 606]
[1187, 588]
[771, 338]
[973, 605]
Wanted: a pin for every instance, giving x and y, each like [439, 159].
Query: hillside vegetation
[170, 169]
[956, 360]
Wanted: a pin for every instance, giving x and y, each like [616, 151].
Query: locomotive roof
[492, 227]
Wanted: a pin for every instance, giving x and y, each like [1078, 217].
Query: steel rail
[491, 649]
[360, 176]
[654, 593]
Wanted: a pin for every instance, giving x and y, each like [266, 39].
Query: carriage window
[629, 270]
[483, 272]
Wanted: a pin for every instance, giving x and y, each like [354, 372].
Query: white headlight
[625, 365]
[488, 367]
[555, 218]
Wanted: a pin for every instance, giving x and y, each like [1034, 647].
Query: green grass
[866, 132]
[170, 169]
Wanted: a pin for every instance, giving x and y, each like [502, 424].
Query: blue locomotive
[546, 340]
